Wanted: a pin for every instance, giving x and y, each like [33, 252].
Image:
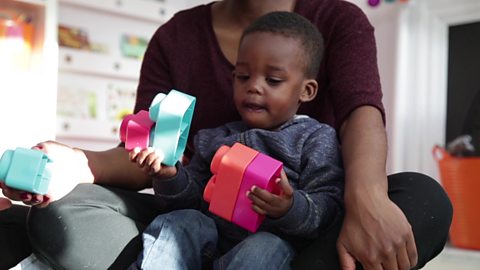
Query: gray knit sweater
[311, 158]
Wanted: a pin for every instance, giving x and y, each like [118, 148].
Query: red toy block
[235, 170]
[228, 166]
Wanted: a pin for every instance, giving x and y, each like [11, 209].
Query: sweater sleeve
[317, 201]
[185, 190]
[351, 63]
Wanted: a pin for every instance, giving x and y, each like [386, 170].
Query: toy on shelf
[235, 170]
[374, 3]
[25, 169]
[165, 126]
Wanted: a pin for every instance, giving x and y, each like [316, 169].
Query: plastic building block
[261, 172]
[172, 114]
[135, 130]
[165, 126]
[25, 169]
[228, 166]
[235, 170]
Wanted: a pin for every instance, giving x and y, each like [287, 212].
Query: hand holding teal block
[165, 126]
[25, 169]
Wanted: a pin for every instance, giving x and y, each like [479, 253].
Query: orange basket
[460, 176]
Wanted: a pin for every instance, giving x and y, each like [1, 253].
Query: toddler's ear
[309, 90]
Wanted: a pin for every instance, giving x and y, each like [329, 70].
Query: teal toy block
[25, 169]
[172, 115]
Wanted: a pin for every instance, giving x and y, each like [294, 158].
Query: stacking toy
[25, 169]
[135, 130]
[165, 126]
[235, 170]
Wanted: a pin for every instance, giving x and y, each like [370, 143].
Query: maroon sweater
[184, 54]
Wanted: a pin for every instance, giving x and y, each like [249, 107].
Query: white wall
[28, 93]
[412, 40]
[412, 46]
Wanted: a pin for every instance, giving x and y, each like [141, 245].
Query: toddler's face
[268, 79]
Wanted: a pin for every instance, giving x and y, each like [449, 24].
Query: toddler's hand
[274, 206]
[150, 160]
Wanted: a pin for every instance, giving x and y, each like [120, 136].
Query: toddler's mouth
[254, 107]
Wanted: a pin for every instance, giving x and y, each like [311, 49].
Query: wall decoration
[120, 100]
[133, 46]
[77, 102]
[16, 38]
[375, 3]
[78, 38]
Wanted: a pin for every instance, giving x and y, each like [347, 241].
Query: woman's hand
[269, 204]
[68, 168]
[377, 234]
[26, 197]
[4, 203]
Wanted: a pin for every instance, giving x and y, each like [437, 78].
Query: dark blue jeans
[187, 239]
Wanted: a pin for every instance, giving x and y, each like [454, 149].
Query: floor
[455, 259]
[449, 259]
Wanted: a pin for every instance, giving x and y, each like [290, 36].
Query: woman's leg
[261, 250]
[182, 239]
[426, 207]
[93, 227]
[14, 243]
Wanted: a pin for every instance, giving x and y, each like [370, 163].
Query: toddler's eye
[273, 81]
[242, 77]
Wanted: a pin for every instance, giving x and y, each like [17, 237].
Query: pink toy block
[262, 172]
[228, 166]
[135, 130]
[165, 126]
[235, 170]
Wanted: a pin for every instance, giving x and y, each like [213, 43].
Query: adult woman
[194, 53]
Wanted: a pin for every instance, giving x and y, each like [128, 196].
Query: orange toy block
[228, 167]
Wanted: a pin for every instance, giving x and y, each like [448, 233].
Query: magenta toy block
[135, 130]
[262, 172]
[235, 170]
[228, 166]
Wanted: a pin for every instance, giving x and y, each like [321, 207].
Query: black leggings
[97, 227]
[426, 207]
[14, 244]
